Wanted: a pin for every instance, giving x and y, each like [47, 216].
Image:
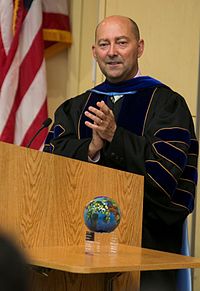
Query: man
[136, 124]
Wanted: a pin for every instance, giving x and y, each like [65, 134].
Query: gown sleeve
[63, 137]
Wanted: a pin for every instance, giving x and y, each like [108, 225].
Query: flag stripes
[24, 25]
[23, 81]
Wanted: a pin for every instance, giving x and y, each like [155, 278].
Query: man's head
[117, 48]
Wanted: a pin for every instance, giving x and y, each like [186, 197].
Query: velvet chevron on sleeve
[179, 177]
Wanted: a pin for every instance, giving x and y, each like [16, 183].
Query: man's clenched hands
[103, 121]
[103, 126]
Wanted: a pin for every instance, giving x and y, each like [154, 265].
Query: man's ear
[94, 52]
[140, 47]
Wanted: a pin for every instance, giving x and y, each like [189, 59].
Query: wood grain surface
[43, 198]
[129, 258]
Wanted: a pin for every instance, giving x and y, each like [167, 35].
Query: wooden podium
[42, 199]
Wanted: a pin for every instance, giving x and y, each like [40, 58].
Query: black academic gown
[155, 138]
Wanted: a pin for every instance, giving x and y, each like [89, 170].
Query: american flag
[56, 26]
[23, 92]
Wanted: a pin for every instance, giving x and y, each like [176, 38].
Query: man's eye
[103, 44]
[122, 43]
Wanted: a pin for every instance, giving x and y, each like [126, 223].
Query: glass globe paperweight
[101, 216]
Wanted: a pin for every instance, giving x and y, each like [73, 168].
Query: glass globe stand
[101, 243]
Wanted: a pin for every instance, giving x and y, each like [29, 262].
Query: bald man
[137, 124]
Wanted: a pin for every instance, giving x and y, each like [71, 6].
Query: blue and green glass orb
[102, 214]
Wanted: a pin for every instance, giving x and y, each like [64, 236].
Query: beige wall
[70, 72]
[171, 33]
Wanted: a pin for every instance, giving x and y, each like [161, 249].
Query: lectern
[42, 198]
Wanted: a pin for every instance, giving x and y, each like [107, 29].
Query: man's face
[117, 50]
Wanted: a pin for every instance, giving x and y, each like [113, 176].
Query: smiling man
[117, 48]
[137, 124]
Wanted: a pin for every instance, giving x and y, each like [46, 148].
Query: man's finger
[97, 112]
[91, 125]
[93, 117]
[103, 107]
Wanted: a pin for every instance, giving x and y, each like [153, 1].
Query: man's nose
[112, 50]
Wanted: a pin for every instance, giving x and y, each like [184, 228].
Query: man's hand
[103, 121]
[95, 145]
